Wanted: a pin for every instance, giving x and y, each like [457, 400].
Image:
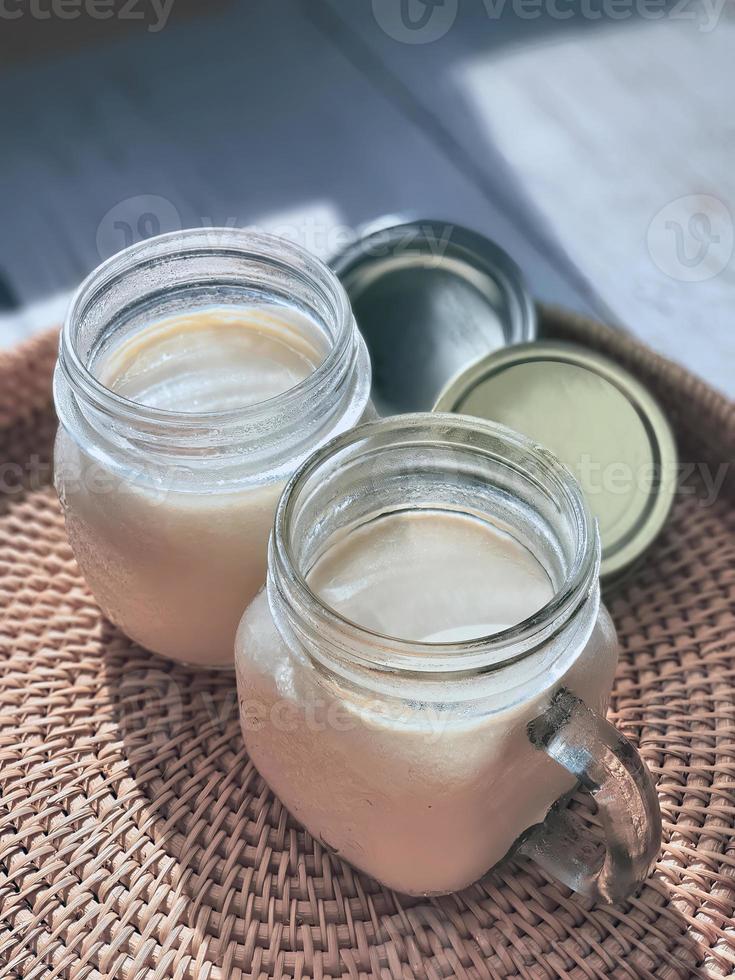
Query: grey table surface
[596, 150]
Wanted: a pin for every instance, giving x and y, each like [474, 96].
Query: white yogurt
[424, 795]
[172, 564]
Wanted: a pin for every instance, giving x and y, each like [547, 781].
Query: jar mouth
[533, 466]
[235, 247]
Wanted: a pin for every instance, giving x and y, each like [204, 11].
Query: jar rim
[190, 242]
[375, 650]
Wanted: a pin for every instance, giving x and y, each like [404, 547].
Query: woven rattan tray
[137, 841]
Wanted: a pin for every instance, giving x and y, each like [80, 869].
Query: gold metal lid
[598, 420]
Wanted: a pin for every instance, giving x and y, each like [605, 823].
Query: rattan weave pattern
[138, 842]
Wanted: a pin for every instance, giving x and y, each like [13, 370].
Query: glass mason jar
[424, 763]
[169, 512]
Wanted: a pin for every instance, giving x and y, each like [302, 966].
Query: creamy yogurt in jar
[432, 586]
[196, 372]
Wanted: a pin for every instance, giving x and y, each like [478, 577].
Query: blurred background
[593, 139]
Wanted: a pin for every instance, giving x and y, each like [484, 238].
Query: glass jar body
[169, 513]
[425, 796]
[413, 759]
[172, 568]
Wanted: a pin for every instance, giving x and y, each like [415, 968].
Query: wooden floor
[599, 153]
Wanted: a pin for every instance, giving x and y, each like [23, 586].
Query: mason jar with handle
[425, 761]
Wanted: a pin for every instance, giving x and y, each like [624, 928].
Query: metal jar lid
[430, 298]
[597, 419]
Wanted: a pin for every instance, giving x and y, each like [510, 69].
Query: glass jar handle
[611, 770]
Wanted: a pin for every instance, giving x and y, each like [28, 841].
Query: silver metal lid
[430, 298]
